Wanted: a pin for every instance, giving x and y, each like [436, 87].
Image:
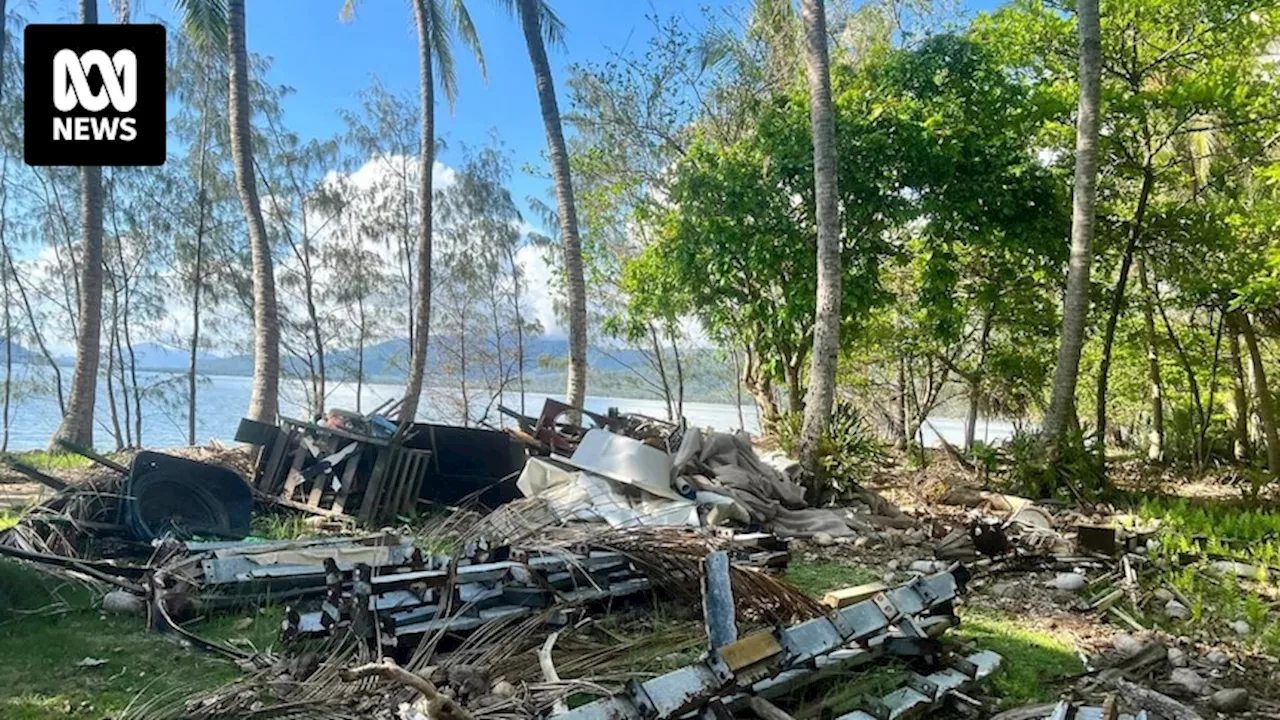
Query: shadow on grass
[1034, 661]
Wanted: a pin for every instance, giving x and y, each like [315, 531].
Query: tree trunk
[426, 161]
[826, 326]
[1155, 446]
[197, 270]
[1266, 409]
[35, 328]
[360, 354]
[77, 423]
[264, 402]
[113, 412]
[1083, 217]
[761, 389]
[1239, 394]
[559, 154]
[1117, 304]
[902, 439]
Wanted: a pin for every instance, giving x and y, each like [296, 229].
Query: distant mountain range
[387, 359]
[615, 370]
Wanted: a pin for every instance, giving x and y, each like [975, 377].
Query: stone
[1177, 610]
[926, 567]
[1241, 627]
[1127, 644]
[1009, 589]
[860, 542]
[1164, 595]
[823, 539]
[1177, 657]
[893, 564]
[1070, 582]
[504, 688]
[1229, 700]
[1217, 657]
[120, 602]
[888, 579]
[1190, 681]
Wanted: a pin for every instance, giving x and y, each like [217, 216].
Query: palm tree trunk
[264, 401]
[77, 422]
[426, 160]
[1240, 395]
[1083, 217]
[1155, 446]
[577, 384]
[826, 327]
[1266, 409]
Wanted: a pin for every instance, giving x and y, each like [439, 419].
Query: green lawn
[53, 640]
[1033, 661]
[819, 578]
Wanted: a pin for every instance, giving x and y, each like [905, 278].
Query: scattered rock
[1190, 681]
[926, 567]
[1217, 657]
[844, 540]
[1071, 582]
[888, 578]
[861, 541]
[1164, 595]
[1127, 644]
[91, 662]
[893, 564]
[503, 688]
[823, 539]
[1177, 657]
[1009, 589]
[1177, 610]
[120, 602]
[1241, 627]
[1229, 700]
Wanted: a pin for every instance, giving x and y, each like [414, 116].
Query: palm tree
[826, 326]
[437, 21]
[77, 422]
[542, 27]
[264, 399]
[1083, 216]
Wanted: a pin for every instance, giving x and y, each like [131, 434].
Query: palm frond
[438, 24]
[551, 25]
[467, 33]
[205, 23]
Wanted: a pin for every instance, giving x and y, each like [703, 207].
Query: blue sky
[327, 61]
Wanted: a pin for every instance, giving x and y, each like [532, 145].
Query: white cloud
[538, 283]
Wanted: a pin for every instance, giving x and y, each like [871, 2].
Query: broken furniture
[327, 469]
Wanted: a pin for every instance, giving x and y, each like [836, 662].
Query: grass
[818, 578]
[50, 461]
[1218, 531]
[9, 518]
[1033, 660]
[49, 628]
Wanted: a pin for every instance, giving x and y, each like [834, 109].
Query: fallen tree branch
[549, 672]
[439, 706]
[1154, 701]
[766, 710]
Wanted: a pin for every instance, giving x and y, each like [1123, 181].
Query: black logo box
[42, 42]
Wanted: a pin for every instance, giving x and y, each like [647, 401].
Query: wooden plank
[348, 479]
[295, 505]
[845, 597]
[271, 470]
[371, 488]
[294, 473]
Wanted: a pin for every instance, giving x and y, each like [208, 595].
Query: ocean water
[222, 401]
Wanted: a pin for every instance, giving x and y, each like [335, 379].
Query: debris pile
[512, 612]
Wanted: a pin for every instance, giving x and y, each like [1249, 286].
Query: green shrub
[1039, 471]
[847, 454]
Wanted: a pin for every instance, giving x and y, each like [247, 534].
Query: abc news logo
[95, 95]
